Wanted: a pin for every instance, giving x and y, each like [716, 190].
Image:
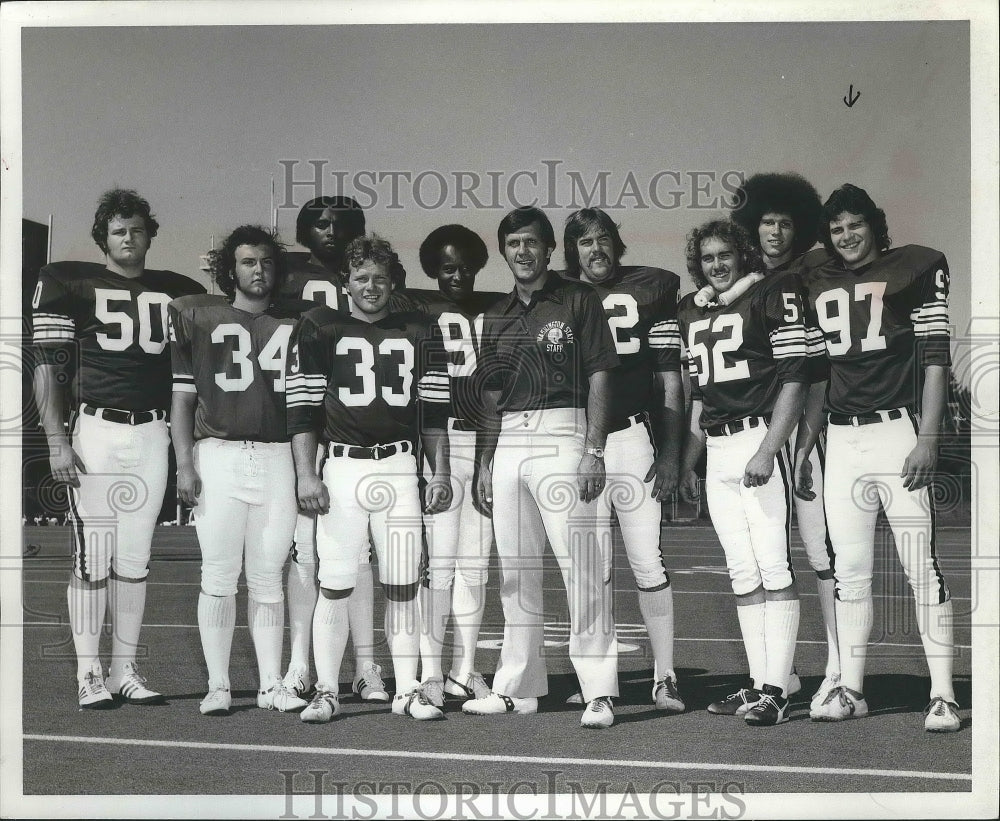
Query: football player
[884, 314]
[641, 308]
[366, 385]
[782, 212]
[326, 226]
[459, 539]
[547, 357]
[749, 378]
[109, 323]
[234, 460]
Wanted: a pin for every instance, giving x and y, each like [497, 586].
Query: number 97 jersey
[235, 361]
[740, 355]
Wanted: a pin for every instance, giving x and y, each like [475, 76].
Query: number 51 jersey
[366, 383]
[120, 327]
[235, 361]
[740, 355]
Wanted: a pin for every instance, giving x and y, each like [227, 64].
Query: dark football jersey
[306, 280]
[740, 355]
[235, 362]
[363, 383]
[118, 327]
[541, 355]
[460, 328]
[882, 324]
[641, 307]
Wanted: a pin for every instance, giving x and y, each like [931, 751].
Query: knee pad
[401, 592]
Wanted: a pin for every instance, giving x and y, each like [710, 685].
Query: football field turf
[172, 749]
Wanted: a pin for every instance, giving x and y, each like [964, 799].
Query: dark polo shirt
[541, 355]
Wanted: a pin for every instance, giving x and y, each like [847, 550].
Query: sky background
[198, 119]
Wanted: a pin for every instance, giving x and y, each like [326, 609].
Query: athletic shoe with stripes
[324, 706]
[475, 686]
[414, 704]
[218, 701]
[829, 683]
[433, 691]
[279, 697]
[496, 704]
[841, 704]
[940, 716]
[735, 704]
[599, 715]
[665, 695]
[770, 709]
[93, 694]
[369, 685]
[131, 687]
[297, 682]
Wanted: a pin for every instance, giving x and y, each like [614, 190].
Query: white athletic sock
[751, 618]
[216, 622]
[330, 630]
[434, 607]
[467, 606]
[267, 629]
[127, 600]
[854, 627]
[302, 590]
[361, 615]
[402, 631]
[657, 608]
[827, 602]
[781, 628]
[935, 623]
[86, 618]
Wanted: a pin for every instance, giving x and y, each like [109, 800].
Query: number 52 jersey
[235, 361]
[740, 355]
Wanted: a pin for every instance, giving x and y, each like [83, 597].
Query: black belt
[124, 417]
[867, 418]
[729, 428]
[462, 424]
[634, 419]
[375, 452]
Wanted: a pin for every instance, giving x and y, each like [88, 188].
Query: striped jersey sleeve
[434, 385]
[931, 329]
[665, 334]
[52, 316]
[178, 333]
[787, 331]
[305, 378]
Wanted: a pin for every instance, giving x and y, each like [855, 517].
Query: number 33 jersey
[366, 383]
[235, 361]
[882, 323]
[740, 355]
[119, 325]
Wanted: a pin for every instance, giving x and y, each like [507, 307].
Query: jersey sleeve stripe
[788, 342]
[49, 327]
[665, 335]
[303, 390]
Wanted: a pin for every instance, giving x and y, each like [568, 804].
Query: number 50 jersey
[119, 325]
[740, 355]
[235, 361]
[366, 383]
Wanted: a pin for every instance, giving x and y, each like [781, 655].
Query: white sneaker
[794, 684]
[665, 695]
[279, 697]
[474, 686]
[298, 683]
[575, 698]
[599, 715]
[131, 686]
[940, 716]
[92, 693]
[840, 704]
[433, 691]
[829, 683]
[324, 706]
[218, 701]
[369, 685]
[496, 704]
[415, 705]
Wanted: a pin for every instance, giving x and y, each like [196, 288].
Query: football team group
[321, 407]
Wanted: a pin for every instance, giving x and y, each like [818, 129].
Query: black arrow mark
[851, 97]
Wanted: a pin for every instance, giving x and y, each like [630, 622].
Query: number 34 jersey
[740, 355]
[235, 361]
[119, 325]
[366, 383]
[883, 323]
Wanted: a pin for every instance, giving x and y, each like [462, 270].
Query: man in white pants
[547, 353]
[884, 314]
[782, 212]
[103, 328]
[641, 308]
[234, 460]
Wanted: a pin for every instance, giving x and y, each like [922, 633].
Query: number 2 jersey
[740, 355]
[641, 307]
[366, 383]
[235, 361]
[459, 325]
[118, 326]
[312, 282]
[882, 323]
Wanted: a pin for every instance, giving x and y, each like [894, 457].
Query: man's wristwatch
[597, 453]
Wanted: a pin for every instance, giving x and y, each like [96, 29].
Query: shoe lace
[92, 682]
[938, 707]
[477, 680]
[763, 703]
[372, 679]
[601, 704]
